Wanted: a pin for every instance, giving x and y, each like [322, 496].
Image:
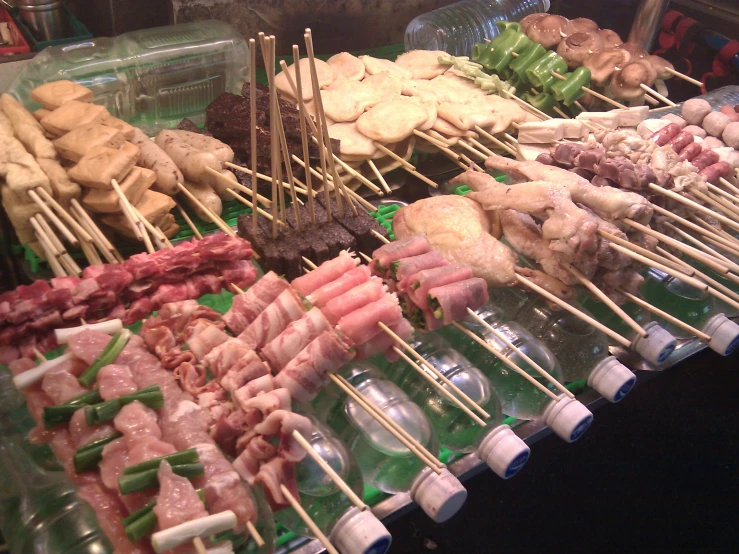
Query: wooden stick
[687, 279]
[253, 127]
[127, 210]
[657, 95]
[238, 186]
[263, 177]
[338, 481]
[526, 105]
[717, 190]
[385, 150]
[507, 361]
[307, 520]
[495, 140]
[433, 140]
[379, 176]
[189, 221]
[698, 244]
[664, 315]
[471, 149]
[197, 542]
[501, 337]
[443, 378]
[638, 249]
[684, 77]
[144, 230]
[255, 534]
[682, 247]
[610, 101]
[706, 230]
[84, 235]
[368, 205]
[439, 387]
[303, 129]
[164, 238]
[481, 146]
[269, 64]
[44, 237]
[250, 204]
[729, 211]
[47, 247]
[365, 257]
[211, 214]
[570, 308]
[64, 258]
[91, 253]
[561, 113]
[99, 239]
[155, 231]
[54, 219]
[728, 185]
[390, 426]
[698, 207]
[730, 239]
[603, 297]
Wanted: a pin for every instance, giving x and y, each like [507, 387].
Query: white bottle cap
[568, 418]
[503, 451]
[611, 379]
[547, 5]
[724, 334]
[360, 532]
[657, 346]
[440, 495]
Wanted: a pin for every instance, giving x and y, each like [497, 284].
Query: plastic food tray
[79, 31]
[20, 45]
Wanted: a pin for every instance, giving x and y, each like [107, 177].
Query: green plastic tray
[80, 32]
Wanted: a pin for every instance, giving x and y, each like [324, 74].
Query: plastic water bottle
[693, 306]
[385, 462]
[458, 27]
[495, 444]
[151, 78]
[567, 417]
[352, 531]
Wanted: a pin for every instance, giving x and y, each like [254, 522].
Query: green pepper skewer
[571, 89]
[89, 455]
[107, 356]
[145, 480]
[106, 411]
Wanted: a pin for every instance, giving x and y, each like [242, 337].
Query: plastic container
[20, 46]
[151, 78]
[458, 27]
[693, 306]
[350, 530]
[386, 463]
[78, 32]
[493, 443]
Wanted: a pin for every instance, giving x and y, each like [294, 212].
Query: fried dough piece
[73, 114]
[353, 143]
[346, 100]
[423, 64]
[377, 65]
[323, 70]
[80, 140]
[388, 86]
[347, 66]
[391, 121]
[54, 94]
[101, 165]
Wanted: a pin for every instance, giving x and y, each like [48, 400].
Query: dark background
[657, 472]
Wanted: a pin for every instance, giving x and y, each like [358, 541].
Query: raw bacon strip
[405, 268]
[383, 257]
[249, 368]
[253, 388]
[354, 299]
[454, 299]
[383, 343]
[177, 501]
[287, 307]
[422, 282]
[114, 381]
[361, 325]
[263, 405]
[305, 375]
[339, 286]
[224, 356]
[271, 475]
[204, 337]
[284, 423]
[296, 336]
[325, 273]
[247, 307]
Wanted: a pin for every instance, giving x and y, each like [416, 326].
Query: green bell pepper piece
[504, 25]
[544, 102]
[533, 53]
[570, 90]
[540, 72]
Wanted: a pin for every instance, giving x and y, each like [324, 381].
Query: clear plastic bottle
[386, 463]
[352, 531]
[495, 444]
[567, 417]
[458, 27]
[693, 306]
[151, 78]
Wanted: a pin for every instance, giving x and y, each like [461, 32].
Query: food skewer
[238, 186]
[303, 129]
[350, 192]
[379, 176]
[156, 232]
[189, 222]
[263, 177]
[716, 289]
[54, 219]
[390, 426]
[574, 311]
[501, 337]
[307, 520]
[222, 225]
[490, 137]
[145, 230]
[698, 244]
[64, 258]
[100, 240]
[84, 235]
[250, 204]
[52, 255]
[728, 185]
[481, 146]
[274, 148]
[253, 126]
[703, 228]
[667, 317]
[698, 207]
[127, 210]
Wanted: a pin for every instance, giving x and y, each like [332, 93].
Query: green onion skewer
[54, 415]
[142, 522]
[107, 356]
[89, 455]
[189, 456]
[106, 411]
[145, 480]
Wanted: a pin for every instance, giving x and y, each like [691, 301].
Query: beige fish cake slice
[377, 65]
[323, 71]
[466, 116]
[347, 66]
[388, 86]
[346, 100]
[391, 121]
[423, 64]
[354, 145]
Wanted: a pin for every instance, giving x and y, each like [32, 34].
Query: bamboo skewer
[473, 150]
[303, 129]
[349, 191]
[261, 176]
[361, 178]
[598, 95]
[481, 146]
[729, 239]
[526, 105]
[385, 150]
[54, 219]
[211, 214]
[338, 481]
[729, 211]
[433, 370]
[490, 137]
[669, 269]
[90, 252]
[64, 258]
[507, 361]
[238, 186]
[698, 244]
[307, 520]
[145, 230]
[574, 311]
[48, 249]
[155, 231]
[95, 230]
[683, 77]
[127, 210]
[269, 64]
[379, 176]
[81, 232]
[717, 190]
[587, 283]
[698, 207]
[728, 185]
[657, 95]
[250, 204]
[667, 317]
[640, 250]
[705, 230]
[390, 426]
[501, 337]
[253, 127]
[189, 221]
[255, 534]
[98, 238]
[365, 257]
